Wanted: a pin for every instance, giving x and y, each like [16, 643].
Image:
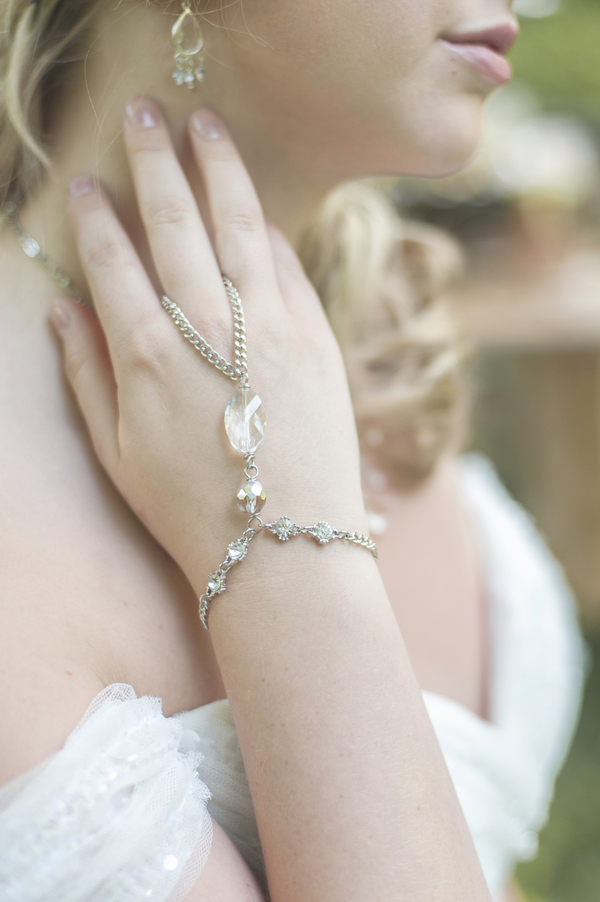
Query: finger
[288, 268]
[121, 290]
[181, 250]
[90, 374]
[243, 248]
[294, 285]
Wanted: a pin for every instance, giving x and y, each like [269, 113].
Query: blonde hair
[381, 280]
[37, 43]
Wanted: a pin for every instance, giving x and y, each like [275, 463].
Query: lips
[485, 49]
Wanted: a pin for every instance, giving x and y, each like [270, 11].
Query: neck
[131, 54]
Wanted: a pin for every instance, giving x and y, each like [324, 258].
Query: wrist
[262, 540]
[277, 576]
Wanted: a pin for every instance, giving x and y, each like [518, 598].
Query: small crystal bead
[251, 497]
[237, 551]
[323, 532]
[31, 247]
[245, 420]
[285, 529]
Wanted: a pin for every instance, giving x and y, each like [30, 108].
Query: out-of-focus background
[528, 213]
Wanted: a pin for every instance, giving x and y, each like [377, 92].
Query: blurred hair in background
[527, 211]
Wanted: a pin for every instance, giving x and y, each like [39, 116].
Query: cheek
[368, 85]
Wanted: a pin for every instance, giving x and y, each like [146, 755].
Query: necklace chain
[10, 214]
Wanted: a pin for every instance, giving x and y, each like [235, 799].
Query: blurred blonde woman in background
[501, 668]
[292, 756]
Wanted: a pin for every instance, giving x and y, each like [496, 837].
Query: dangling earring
[190, 61]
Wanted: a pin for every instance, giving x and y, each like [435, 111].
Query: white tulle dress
[123, 811]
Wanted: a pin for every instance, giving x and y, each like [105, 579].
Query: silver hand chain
[245, 424]
[237, 372]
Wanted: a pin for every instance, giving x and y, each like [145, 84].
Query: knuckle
[242, 218]
[169, 211]
[104, 252]
[145, 348]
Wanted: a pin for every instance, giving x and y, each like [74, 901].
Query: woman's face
[365, 86]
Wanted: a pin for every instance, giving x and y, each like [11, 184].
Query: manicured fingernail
[61, 317]
[80, 185]
[207, 125]
[141, 113]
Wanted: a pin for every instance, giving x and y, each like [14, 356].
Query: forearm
[352, 796]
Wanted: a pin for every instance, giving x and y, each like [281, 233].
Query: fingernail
[80, 185]
[61, 317]
[207, 125]
[141, 113]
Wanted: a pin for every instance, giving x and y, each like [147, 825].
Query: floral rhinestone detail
[285, 529]
[323, 532]
[216, 583]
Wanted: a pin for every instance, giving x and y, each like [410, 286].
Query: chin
[451, 159]
[445, 146]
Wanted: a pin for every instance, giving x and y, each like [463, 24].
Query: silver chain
[285, 529]
[10, 214]
[238, 371]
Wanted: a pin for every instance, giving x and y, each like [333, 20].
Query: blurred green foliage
[559, 58]
[568, 866]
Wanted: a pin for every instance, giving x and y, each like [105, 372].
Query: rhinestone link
[236, 552]
[286, 529]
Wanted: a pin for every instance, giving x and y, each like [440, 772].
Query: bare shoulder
[84, 602]
[87, 598]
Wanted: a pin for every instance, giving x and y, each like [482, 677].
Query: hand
[153, 405]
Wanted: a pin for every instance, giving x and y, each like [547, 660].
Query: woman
[351, 803]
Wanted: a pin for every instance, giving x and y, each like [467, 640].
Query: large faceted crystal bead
[245, 420]
[251, 497]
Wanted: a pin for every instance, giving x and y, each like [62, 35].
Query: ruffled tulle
[119, 814]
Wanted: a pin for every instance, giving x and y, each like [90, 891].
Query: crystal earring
[187, 36]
